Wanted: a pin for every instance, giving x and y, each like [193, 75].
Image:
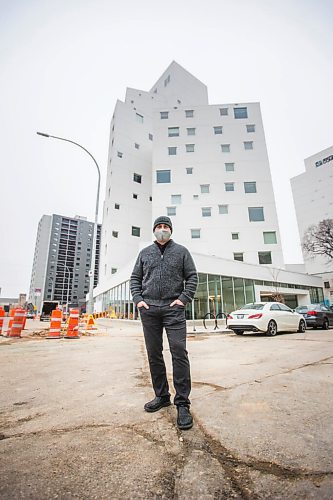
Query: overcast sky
[65, 62]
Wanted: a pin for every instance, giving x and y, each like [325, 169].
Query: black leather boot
[157, 403]
[184, 417]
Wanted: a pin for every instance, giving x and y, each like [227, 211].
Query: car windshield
[258, 307]
[304, 309]
[301, 309]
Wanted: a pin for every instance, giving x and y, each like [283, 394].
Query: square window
[164, 115]
[240, 112]
[235, 236]
[137, 178]
[150, 137]
[265, 257]
[239, 256]
[195, 197]
[135, 231]
[139, 118]
[150, 198]
[163, 176]
[206, 211]
[136, 145]
[189, 170]
[229, 167]
[204, 188]
[172, 151]
[176, 199]
[113, 270]
[225, 148]
[116, 206]
[135, 196]
[224, 111]
[190, 131]
[189, 148]
[173, 131]
[229, 186]
[248, 144]
[171, 211]
[326, 284]
[250, 128]
[115, 234]
[195, 233]
[223, 209]
[217, 130]
[256, 214]
[119, 154]
[269, 237]
[250, 187]
[189, 113]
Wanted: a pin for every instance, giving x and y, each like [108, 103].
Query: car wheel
[238, 332]
[271, 329]
[301, 326]
[325, 324]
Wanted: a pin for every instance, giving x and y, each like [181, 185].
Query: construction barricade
[17, 323]
[2, 315]
[73, 325]
[55, 326]
[9, 326]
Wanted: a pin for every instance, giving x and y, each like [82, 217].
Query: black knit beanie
[163, 219]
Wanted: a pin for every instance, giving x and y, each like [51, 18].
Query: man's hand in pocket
[177, 302]
[142, 303]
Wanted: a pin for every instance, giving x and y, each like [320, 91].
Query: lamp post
[90, 304]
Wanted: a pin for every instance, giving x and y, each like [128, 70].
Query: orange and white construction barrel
[17, 324]
[73, 325]
[55, 326]
[2, 315]
[9, 326]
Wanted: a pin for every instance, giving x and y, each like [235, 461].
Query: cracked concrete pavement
[72, 423]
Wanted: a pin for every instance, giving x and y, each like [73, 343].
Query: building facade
[312, 192]
[62, 261]
[206, 166]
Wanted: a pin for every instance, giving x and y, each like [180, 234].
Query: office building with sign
[313, 198]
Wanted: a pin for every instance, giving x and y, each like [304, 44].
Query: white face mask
[162, 235]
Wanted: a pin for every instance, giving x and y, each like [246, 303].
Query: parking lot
[73, 425]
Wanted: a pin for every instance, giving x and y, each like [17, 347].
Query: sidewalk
[72, 423]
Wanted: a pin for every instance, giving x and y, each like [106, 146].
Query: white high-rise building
[206, 166]
[313, 198]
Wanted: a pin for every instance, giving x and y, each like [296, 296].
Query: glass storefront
[215, 294]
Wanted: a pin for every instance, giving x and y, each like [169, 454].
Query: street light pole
[90, 304]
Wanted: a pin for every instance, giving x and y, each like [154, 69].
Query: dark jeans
[173, 320]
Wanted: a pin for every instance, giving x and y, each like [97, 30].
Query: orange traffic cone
[55, 326]
[73, 325]
[2, 315]
[17, 324]
[91, 323]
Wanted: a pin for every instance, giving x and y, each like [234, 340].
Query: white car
[266, 317]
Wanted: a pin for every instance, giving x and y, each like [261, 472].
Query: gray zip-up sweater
[159, 279]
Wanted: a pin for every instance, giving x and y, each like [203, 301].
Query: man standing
[163, 281]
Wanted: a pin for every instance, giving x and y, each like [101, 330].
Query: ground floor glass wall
[215, 294]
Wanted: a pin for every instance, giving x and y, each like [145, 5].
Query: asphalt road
[72, 423]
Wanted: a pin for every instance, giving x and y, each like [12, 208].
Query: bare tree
[276, 295]
[318, 239]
